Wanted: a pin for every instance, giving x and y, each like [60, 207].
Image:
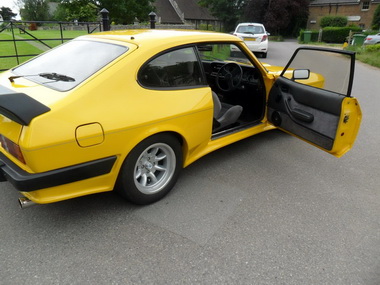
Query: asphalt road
[267, 210]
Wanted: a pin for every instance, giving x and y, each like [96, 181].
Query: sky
[10, 4]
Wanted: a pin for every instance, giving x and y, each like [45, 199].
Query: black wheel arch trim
[26, 182]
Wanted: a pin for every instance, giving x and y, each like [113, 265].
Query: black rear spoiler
[19, 107]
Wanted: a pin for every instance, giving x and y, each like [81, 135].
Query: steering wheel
[229, 76]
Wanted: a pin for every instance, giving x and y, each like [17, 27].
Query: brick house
[184, 12]
[358, 12]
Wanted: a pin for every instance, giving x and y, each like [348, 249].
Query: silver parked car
[372, 39]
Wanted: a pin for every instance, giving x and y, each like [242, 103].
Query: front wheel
[150, 170]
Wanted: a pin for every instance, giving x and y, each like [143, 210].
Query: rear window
[251, 29]
[68, 65]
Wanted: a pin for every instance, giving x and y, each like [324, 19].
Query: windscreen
[68, 65]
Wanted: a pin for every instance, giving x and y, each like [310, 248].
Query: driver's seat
[224, 114]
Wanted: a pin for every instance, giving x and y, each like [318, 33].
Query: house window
[365, 5]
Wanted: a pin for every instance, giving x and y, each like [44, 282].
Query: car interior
[237, 84]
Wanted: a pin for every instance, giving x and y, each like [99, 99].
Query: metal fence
[18, 32]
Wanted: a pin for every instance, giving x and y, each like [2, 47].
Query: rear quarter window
[174, 69]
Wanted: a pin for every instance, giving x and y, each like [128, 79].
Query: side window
[222, 52]
[174, 69]
[324, 69]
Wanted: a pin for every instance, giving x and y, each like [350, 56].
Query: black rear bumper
[26, 182]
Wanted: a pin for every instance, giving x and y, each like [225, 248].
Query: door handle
[298, 114]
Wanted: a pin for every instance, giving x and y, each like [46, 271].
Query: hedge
[332, 34]
[373, 48]
[338, 34]
[333, 21]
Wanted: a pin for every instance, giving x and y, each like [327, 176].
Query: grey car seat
[224, 114]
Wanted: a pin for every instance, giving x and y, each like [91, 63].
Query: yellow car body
[78, 144]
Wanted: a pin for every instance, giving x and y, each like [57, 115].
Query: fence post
[14, 42]
[320, 35]
[105, 19]
[152, 17]
[349, 40]
[61, 31]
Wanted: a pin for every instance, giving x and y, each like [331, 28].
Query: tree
[125, 11]
[82, 11]
[7, 13]
[285, 17]
[35, 10]
[120, 11]
[228, 11]
[376, 19]
[255, 11]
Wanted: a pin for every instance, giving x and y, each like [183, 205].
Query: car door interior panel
[306, 111]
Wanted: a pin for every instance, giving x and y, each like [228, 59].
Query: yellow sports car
[127, 110]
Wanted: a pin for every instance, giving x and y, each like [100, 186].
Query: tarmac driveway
[267, 210]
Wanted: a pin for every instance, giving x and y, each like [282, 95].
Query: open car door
[312, 99]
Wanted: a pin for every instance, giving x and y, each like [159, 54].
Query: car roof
[158, 37]
[249, 24]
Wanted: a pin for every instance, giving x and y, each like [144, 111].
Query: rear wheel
[150, 170]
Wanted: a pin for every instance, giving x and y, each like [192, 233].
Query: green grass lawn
[367, 54]
[370, 58]
[48, 36]
[25, 48]
[9, 49]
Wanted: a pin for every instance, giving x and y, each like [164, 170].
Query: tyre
[150, 170]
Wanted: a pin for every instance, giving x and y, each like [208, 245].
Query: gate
[22, 40]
